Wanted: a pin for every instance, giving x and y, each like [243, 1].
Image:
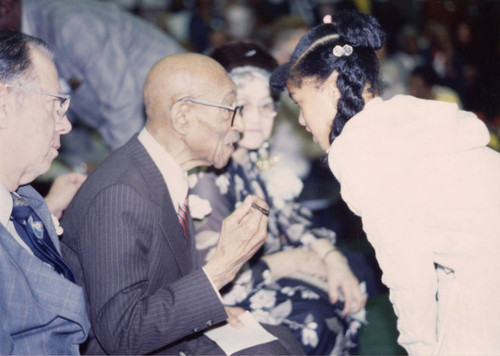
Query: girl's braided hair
[314, 58]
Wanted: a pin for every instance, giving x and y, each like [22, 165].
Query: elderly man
[103, 55]
[42, 308]
[128, 234]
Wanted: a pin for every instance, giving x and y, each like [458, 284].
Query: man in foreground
[42, 308]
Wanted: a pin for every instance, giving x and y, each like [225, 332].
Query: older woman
[299, 279]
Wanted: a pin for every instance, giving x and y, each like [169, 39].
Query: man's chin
[43, 169]
[221, 163]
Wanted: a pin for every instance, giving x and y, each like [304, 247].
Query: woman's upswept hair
[314, 58]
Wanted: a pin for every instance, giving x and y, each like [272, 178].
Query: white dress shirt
[6, 205]
[173, 174]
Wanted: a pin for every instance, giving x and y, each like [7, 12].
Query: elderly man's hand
[233, 317]
[242, 234]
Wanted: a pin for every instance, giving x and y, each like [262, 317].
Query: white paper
[232, 340]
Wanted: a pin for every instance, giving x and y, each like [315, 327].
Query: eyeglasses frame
[66, 98]
[235, 109]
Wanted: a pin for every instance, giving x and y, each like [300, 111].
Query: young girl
[419, 174]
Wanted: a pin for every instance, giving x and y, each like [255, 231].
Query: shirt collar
[5, 205]
[173, 174]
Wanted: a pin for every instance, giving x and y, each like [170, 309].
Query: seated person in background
[42, 308]
[423, 83]
[321, 318]
[128, 234]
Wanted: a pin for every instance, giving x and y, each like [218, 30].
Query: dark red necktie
[182, 215]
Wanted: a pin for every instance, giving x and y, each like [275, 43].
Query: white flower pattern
[198, 207]
[223, 183]
[279, 301]
[309, 334]
[263, 299]
[57, 225]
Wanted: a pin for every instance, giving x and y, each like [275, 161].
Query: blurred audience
[206, 26]
[415, 37]
[423, 84]
[284, 35]
[395, 67]
[447, 63]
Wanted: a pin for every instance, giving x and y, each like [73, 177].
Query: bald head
[178, 76]
[193, 133]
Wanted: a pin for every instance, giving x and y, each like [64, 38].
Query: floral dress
[300, 302]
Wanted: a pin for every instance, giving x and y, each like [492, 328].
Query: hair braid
[313, 58]
[350, 82]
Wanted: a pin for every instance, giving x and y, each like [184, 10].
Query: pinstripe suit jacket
[41, 312]
[142, 283]
[108, 52]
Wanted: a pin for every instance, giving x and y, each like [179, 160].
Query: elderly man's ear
[3, 106]
[179, 116]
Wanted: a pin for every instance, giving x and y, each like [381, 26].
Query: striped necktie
[31, 230]
[182, 215]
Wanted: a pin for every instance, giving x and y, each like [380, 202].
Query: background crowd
[436, 49]
[445, 50]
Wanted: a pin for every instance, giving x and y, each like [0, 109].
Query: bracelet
[327, 253]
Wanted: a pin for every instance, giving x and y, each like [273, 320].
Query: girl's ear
[331, 86]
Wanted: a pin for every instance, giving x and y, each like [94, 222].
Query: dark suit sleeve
[138, 301]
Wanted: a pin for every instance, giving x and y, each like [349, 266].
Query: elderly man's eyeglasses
[235, 109]
[62, 103]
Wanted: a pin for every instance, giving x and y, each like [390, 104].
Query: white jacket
[419, 174]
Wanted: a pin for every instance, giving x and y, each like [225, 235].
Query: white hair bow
[340, 51]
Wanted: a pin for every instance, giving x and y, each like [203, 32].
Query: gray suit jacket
[108, 51]
[41, 312]
[142, 283]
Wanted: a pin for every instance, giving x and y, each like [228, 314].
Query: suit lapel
[35, 200]
[51, 291]
[192, 244]
[169, 224]
[174, 235]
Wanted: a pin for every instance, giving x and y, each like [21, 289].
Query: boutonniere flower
[57, 225]
[198, 207]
